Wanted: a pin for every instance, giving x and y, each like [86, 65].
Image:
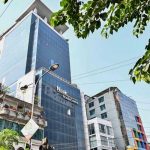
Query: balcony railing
[20, 115]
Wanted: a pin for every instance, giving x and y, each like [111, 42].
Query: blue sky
[96, 52]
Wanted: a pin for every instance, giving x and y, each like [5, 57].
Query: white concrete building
[112, 105]
[101, 134]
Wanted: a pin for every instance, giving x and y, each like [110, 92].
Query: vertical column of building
[1, 45]
[85, 122]
[97, 133]
[33, 41]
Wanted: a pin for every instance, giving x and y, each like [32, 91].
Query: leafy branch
[7, 138]
[115, 14]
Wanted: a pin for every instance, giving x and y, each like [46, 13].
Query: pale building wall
[85, 122]
[98, 134]
[112, 115]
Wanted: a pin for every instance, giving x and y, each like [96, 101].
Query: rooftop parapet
[41, 10]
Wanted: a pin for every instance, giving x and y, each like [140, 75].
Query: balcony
[4, 111]
[19, 111]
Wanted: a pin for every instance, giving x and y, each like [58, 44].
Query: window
[104, 115]
[91, 104]
[94, 148]
[91, 129]
[111, 142]
[135, 133]
[101, 99]
[2, 123]
[137, 119]
[93, 142]
[104, 140]
[102, 128]
[139, 127]
[102, 107]
[38, 135]
[109, 130]
[92, 112]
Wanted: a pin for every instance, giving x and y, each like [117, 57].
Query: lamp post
[52, 68]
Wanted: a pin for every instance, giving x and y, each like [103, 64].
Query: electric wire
[6, 8]
[100, 72]
[117, 63]
[103, 82]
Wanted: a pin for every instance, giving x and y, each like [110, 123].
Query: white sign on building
[29, 129]
[26, 95]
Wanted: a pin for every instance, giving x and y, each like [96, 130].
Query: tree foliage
[7, 138]
[115, 14]
[4, 1]
[3, 90]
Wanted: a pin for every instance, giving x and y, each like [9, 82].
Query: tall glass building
[31, 44]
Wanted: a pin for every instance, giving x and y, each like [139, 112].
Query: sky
[98, 63]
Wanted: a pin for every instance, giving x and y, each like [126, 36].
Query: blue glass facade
[65, 123]
[129, 111]
[51, 48]
[14, 55]
[31, 45]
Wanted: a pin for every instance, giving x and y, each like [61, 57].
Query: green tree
[7, 138]
[86, 17]
[115, 14]
[3, 90]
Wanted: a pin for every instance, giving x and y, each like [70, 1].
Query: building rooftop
[105, 91]
[109, 90]
[43, 11]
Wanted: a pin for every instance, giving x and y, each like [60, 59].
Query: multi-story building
[111, 104]
[15, 113]
[101, 134]
[32, 44]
